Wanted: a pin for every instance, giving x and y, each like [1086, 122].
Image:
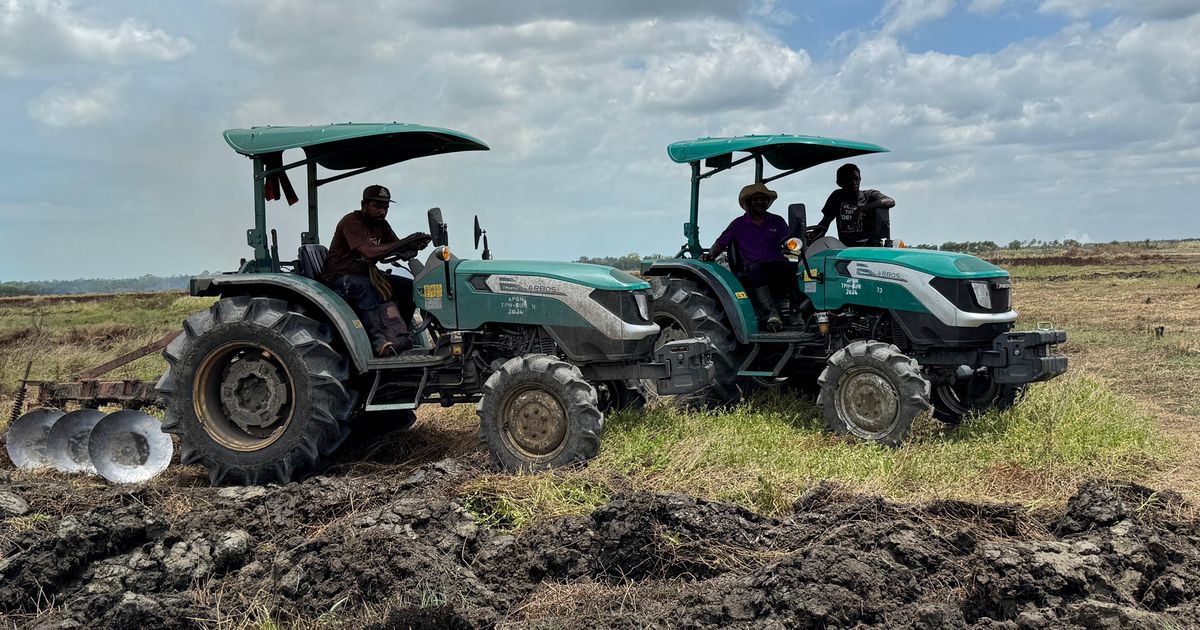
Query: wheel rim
[243, 396]
[535, 424]
[868, 402]
[671, 329]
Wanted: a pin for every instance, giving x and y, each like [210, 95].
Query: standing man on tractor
[862, 215]
[758, 236]
[382, 301]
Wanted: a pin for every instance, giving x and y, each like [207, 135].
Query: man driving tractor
[383, 302]
[765, 271]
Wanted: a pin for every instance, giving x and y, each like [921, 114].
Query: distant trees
[145, 284]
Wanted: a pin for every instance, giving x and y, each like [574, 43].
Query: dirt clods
[379, 553]
[11, 504]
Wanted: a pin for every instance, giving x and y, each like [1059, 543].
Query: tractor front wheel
[256, 392]
[538, 412]
[870, 390]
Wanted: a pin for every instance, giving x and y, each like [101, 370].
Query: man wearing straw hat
[767, 274]
[382, 301]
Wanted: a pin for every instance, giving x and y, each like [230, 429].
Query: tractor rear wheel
[951, 403]
[537, 412]
[256, 392]
[682, 309]
[870, 390]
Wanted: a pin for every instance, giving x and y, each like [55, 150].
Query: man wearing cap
[382, 301]
[767, 274]
[862, 215]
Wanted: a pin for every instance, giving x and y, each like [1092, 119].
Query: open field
[684, 518]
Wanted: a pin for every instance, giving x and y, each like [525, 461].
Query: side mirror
[480, 232]
[437, 227]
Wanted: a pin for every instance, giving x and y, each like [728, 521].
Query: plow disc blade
[67, 441]
[27, 438]
[129, 446]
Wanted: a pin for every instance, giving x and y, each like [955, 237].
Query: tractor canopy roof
[784, 152]
[345, 146]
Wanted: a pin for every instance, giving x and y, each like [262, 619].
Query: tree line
[145, 284]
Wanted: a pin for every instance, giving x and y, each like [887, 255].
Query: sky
[1005, 119]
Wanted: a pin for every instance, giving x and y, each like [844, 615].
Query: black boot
[388, 333]
[765, 304]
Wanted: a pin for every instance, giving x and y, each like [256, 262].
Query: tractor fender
[301, 290]
[720, 281]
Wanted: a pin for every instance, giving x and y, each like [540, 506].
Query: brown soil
[381, 551]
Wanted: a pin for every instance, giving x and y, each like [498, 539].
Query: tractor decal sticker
[515, 305]
[433, 295]
[865, 270]
[851, 286]
[741, 295]
[518, 284]
[810, 287]
[576, 297]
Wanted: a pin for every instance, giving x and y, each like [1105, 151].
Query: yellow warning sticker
[357, 324]
[741, 295]
[431, 291]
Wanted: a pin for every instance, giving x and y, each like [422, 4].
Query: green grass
[767, 452]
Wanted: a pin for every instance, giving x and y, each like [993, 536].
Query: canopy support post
[257, 237]
[311, 237]
[691, 229]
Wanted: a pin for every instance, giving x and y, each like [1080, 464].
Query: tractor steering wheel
[405, 251]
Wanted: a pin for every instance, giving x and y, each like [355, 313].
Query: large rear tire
[256, 392]
[682, 309]
[870, 390]
[537, 412]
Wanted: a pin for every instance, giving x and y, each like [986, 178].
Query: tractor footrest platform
[416, 357]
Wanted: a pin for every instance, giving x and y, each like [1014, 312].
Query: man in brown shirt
[382, 301]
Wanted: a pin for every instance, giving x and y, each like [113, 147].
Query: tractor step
[417, 357]
[786, 336]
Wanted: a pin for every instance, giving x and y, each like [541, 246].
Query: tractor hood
[593, 276]
[936, 263]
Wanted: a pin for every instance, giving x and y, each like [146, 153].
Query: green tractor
[268, 382]
[880, 334]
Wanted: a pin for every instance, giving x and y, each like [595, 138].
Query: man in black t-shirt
[861, 215]
[383, 302]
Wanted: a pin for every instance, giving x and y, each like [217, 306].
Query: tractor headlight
[983, 295]
[643, 305]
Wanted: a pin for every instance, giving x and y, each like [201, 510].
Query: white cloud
[67, 106]
[1153, 9]
[742, 71]
[986, 7]
[902, 16]
[40, 33]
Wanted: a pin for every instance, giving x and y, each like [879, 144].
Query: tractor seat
[312, 260]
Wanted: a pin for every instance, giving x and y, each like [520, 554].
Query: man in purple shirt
[767, 274]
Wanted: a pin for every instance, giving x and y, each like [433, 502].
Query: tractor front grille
[995, 296]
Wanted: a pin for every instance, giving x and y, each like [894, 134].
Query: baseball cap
[375, 192]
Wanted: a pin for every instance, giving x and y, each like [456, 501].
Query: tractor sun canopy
[346, 146]
[784, 152]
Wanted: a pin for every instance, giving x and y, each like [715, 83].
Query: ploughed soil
[368, 550]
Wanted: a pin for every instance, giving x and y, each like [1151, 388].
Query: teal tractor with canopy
[268, 382]
[881, 334]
